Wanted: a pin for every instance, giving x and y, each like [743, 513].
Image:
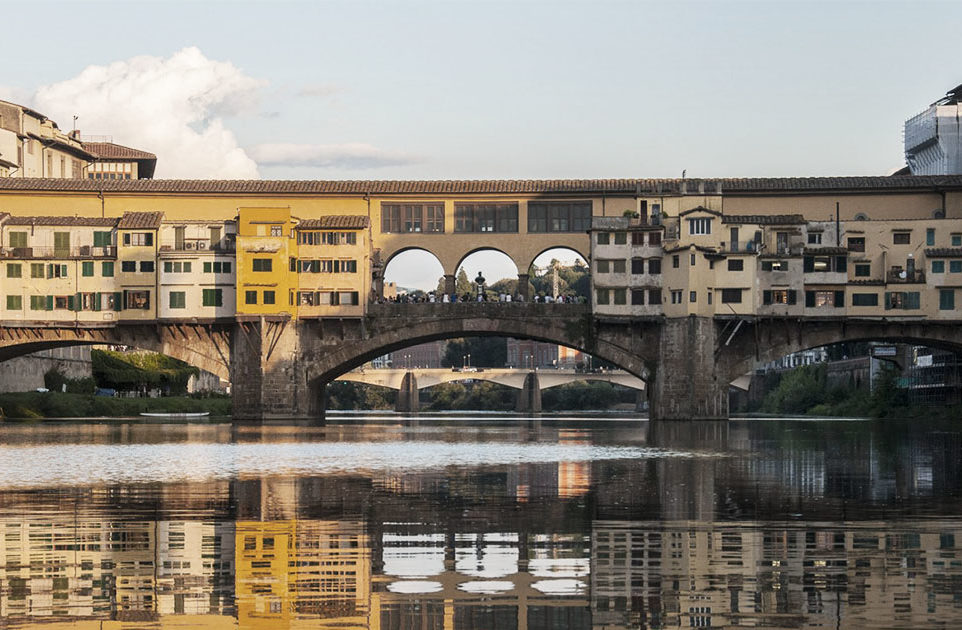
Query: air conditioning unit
[85, 250]
[189, 245]
[201, 245]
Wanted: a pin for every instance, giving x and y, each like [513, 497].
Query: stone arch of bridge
[767, 340]
[486, 248]
[197, 346]
[325, 364]
[411, 249]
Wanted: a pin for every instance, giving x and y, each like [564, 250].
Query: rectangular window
[620, 296]
[946, 299]
[178, 299]
[225, 267]
[736, 264]
[621, 238]
[168, 267]
[18, 239]
[602, 296]
[957, 240]
[692, 296]
[930, 237]
[654, 266]
[637, 297]
[901, 238]
[103, 239]
[107, 269]
[146, 266]
[654, 238]
[87, 268]
[618, 266]
[902, 300]
[865, 299]
[56, 271]
[213, 297]
[654, 296]
[250, 297]
[207, 267]
[774, 265]
[139, 300]
[674, 261]
[863, 270]
[559, 216]
[856, 244]
[699, 226]
[955, 266]
[637, 266]
[731, 296]
[128, 266]
[778, 296]
[814, 238]
[262, 264]
[637, 238]
[676, 297]
[14, 302]
[277, 230]
[139, 239]
[604, 238]
[39, 303]
[14, 270]
[938, 266]
[268, 297]
[603, 266]
[691, 260]
[36, 270]
[486, 217]
[434, 219]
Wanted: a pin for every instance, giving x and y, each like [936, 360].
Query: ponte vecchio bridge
[694, 282]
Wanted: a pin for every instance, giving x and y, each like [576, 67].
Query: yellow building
[333, 266]
[266, 262]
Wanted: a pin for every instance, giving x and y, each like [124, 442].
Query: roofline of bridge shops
[546, 187]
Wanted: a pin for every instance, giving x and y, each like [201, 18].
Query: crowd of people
[433, 297]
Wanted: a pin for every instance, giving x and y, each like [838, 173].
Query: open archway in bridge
[560, 271]
[857, 377]
[411, 270]
[500, 273]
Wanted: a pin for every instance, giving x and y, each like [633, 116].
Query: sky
[462, 89]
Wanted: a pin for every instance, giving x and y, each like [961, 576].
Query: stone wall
[26, 373]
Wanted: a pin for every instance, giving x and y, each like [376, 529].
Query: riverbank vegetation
[70, 405]
[807, 391]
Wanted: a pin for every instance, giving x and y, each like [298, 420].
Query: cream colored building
[31, 145]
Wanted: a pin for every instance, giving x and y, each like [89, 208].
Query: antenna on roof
[683, 171]
[75, 117]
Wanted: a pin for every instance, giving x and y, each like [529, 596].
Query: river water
[481, 522]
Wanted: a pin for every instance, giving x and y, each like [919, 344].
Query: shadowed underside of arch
[203, 346]
[401, 326]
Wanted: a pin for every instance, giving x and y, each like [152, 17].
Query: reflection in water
[753, 524]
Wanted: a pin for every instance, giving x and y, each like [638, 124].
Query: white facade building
[933, 139]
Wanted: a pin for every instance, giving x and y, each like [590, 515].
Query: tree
[484, 351]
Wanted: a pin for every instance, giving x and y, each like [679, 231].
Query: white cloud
[350, 155]
[172, 107]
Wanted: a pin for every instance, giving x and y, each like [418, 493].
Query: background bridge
[528, 382]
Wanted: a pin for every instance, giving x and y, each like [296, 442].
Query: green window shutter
[839, 299]
[792, 299]
[168, 266]
[946, 299]
[49, 302]
[88, 268]
[207, 267]
[226, 267]
[912, 300]
[766, 297]
[107, 269]
[96, 302]
[841, 264]
[888, 301]
[118, 301]
[810, 299]
[808, 264]
[218, 297]
[186, 267]
[50, 271]
[938, 266]
[72, 303]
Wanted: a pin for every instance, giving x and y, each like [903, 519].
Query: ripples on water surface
[481, 523]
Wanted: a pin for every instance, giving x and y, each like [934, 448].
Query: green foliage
[54, 380]
[572, 280]
[57, 405]
[345, 395]
[585, 395]
[134, 371]
[484, 351]
[480, 395]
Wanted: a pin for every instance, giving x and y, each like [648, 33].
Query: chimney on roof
[75, 134]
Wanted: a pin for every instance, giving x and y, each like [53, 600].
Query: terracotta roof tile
[442, 187]
[111, 151]
[760, 219]
[140, 220]
[334, 221]
[74, 221]
[944, 252]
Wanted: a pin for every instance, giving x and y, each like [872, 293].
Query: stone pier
[529, 397]
[267, 373]
[687, 384]
[407, 395]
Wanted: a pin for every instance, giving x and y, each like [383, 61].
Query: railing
[739, 246]
[82, 251]
[901, 276]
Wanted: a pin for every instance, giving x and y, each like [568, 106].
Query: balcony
[739, 246]
[897, 275]
[198, 245]
[82, 251]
